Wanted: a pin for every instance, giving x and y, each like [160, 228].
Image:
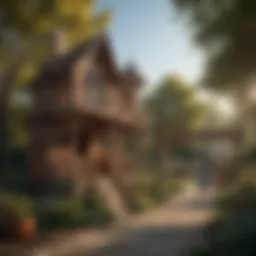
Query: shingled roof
[94, 46]
[65, 62]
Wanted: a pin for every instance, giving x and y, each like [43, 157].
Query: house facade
[84, 109]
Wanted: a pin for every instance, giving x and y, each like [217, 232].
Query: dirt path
[170, 230]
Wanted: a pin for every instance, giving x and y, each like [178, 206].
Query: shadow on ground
[195, 205]
[152, 241]
[168, 231]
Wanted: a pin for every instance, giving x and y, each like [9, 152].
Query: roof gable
[105, 55]
[98, 47]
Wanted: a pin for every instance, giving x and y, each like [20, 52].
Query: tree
[173, 107]
[174, 111]
[227, 31]
[25, 32]
[33, 23]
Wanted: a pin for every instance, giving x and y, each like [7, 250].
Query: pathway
[169, 230]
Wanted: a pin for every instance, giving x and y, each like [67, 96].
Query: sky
[148, 33]
[145, 31]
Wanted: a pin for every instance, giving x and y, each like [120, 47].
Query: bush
[247, 175]
[63, 213]
[19, 206]
[95, 211]
[141, 199]
[15, 174]
[238, 200]
[150, 191]
[251, 155]
[13, 208]
[74, 213]
[235, 228]
[161, 191]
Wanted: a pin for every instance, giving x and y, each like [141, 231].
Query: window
[94, 84]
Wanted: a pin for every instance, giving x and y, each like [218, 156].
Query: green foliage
[239, 200]
[96, 212]
[235, 228]
[251, 155]
[173, 107]
[142, 199]
[58, 213]
[183, 152]
[227, 31]
[26, 30]
[15, 175]
[150, 191]
[17, 126]
[74, 213]
[64, 213]
[16, 205]
[13, 208]
[38, 19]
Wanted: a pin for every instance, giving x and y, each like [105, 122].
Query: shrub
[95, 211]
[60, 213]
[150, 191]
[251, 155]
[74, 213]
[239, 200]
[19, 206]
[235, 228]
[15, 174]
[13, 209]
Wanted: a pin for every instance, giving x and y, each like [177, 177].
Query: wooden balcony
[106, 111]
[114, 113]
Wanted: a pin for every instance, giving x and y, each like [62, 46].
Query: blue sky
[145, 31]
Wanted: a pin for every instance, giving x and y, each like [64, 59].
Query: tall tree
[226, 30]
[33, 23]
[174, 111]
[173, 106]
[26, 28]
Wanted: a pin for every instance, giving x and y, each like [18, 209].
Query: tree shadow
[194, 205]
[153, 241]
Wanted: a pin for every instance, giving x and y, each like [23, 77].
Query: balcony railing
[112, 111]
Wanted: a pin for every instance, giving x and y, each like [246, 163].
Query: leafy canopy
[226, 29]
[173, 107]
[28, 24]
